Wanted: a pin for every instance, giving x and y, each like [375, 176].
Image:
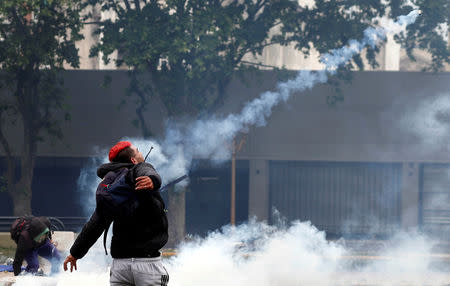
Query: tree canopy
[430, 32]
[37, 38]
[190, 49]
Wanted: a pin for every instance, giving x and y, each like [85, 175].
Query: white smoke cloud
[77, 278]
[295, 254]
[258, 254]
[429, 120]
[87, 181]
[442, 30]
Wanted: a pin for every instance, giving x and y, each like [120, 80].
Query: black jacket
[142, 234]
[25, 241]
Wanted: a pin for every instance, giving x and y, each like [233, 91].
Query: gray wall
[381, 119]
[386, 117]
[377, 121]
[96, 119]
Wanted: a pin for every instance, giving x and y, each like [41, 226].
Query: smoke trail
[211, 138]
[87, 181]
[429, 120]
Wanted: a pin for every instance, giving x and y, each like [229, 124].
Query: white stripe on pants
[138, 272]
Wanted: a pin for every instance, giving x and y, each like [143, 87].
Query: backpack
[18, 226]
[115, 198]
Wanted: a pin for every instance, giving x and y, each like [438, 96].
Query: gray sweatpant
[139, 272]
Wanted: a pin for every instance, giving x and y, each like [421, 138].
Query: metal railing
[58, 223]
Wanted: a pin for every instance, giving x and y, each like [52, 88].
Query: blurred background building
[368, 166]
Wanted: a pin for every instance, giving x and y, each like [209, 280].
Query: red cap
[117, 148]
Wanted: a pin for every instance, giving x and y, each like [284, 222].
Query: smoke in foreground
[88, 181]
[296, 254]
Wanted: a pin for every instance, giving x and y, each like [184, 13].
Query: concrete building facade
[392, 56]
[376, 162]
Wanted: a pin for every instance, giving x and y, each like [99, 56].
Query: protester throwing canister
[127, 195]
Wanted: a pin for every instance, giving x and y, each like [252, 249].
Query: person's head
[125, 152]
[42, 236]
[38, 229]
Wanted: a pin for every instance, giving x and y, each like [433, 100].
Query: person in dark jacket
[137, 238]
[33, 238]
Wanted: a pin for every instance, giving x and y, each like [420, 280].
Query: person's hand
[73, 262]
[143, 183]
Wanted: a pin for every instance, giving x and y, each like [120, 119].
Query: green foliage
[6, 250]
[190, 49]
[39, 34]
[331, 24]
[37, 40]
[428, 30]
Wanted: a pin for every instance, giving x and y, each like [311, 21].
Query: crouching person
[33, 238]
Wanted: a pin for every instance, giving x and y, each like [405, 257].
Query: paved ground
[337, 279]
[9, 280]
[6, 274]
[6, 278]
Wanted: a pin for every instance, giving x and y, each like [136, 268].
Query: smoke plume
[289, 254]
[211, 138]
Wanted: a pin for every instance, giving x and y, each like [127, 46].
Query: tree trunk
[142, 105]
[21, 192]
[21, 197]
[27, 96]
[176, 216]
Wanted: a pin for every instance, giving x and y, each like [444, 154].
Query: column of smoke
[88, 181]
[210, 138]
[258, 254]
[95, 261]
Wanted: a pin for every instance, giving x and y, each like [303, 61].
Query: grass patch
[6, 252]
